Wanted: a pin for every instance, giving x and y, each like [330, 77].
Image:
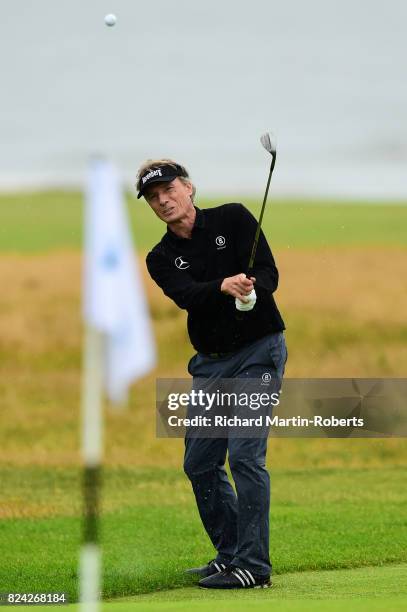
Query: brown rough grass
[360, 285]
[345, 314]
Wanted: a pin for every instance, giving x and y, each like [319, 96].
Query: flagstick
[92, 436]
[116, 355]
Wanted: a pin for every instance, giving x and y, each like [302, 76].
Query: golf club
[269, 143]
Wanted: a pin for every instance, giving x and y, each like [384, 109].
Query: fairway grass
[43, 221]
[151, 532]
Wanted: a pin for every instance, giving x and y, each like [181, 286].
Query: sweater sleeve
[179, 285]
[264, 268]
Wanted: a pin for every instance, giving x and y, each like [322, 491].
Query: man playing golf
[237, 331]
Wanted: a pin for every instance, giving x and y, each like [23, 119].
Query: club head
[268, 140]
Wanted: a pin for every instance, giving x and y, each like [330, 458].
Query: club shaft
[257, 235]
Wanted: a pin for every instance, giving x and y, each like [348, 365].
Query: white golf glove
[249, 302]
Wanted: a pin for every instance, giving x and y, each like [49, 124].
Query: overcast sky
[200, 81]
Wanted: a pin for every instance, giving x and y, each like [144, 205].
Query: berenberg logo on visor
[150, 175]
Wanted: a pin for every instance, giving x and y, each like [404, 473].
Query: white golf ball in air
[110, 19]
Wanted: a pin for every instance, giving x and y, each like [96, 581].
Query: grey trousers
[237, 523]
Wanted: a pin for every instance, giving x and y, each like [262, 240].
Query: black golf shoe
[235, 578]
[211, 568]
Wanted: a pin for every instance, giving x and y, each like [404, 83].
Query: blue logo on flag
[110, 259]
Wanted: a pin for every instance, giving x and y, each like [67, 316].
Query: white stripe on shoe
[250, 576]
[217, 566]
[223, 566]
[241, 579]
[242, 573]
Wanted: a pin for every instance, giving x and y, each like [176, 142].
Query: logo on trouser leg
[266, 378]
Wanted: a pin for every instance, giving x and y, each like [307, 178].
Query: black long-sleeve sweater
[191, 271]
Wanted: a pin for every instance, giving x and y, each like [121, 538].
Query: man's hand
[238, 286]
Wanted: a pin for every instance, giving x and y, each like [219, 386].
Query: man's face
[170, 201]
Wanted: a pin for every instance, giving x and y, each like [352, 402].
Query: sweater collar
[199, 223]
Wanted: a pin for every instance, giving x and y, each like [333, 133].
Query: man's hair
[152, 164]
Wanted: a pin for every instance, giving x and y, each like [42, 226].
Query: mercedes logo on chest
[181, 263]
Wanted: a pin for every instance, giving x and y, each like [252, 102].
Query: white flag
[114, 300]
